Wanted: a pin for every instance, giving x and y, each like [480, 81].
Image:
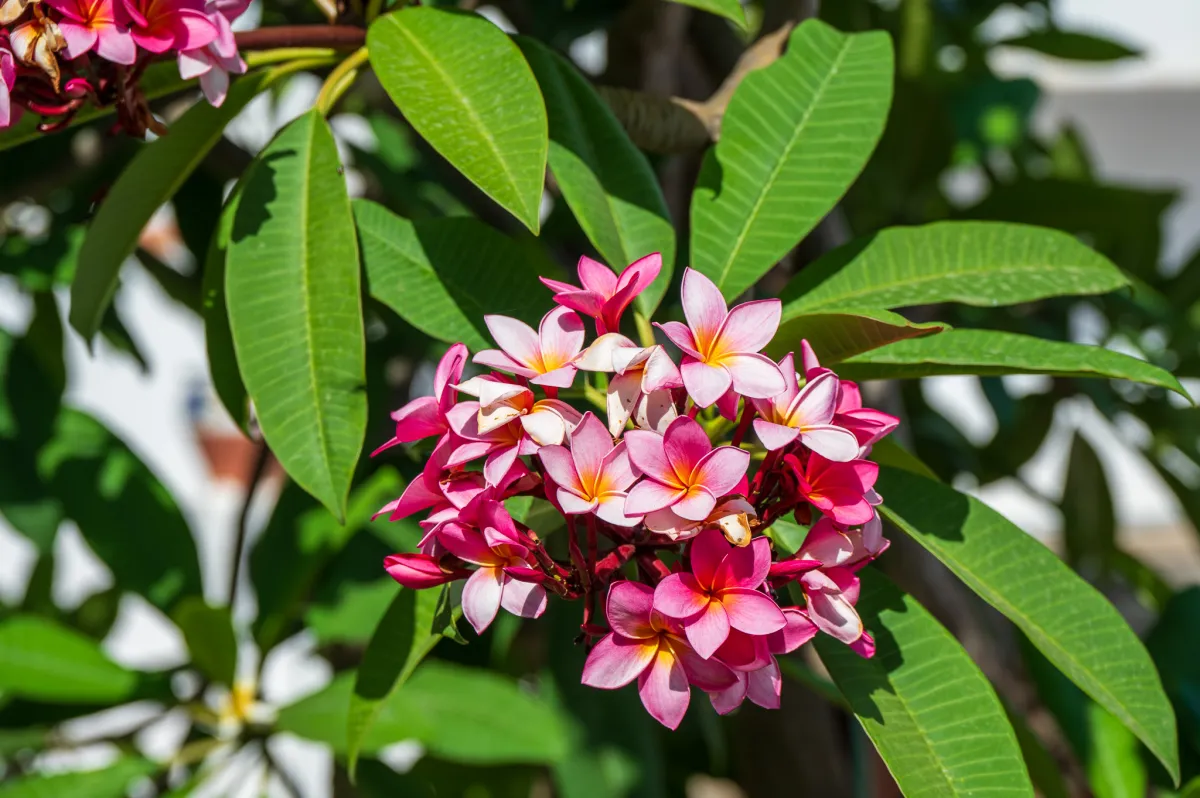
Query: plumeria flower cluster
[57, 55]
[667, 506]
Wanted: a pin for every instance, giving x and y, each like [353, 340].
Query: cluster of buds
[57, 55]
[666, 522]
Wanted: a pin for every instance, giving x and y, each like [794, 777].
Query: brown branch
[337, 37]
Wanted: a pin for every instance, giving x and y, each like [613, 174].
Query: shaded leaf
[1066, 619]
[429, 273]
[456, 713]
[836, 336]
[218, 338]
[991, 352]
[110, 782]
[934, 718]
[1089, 520]
[605, 179]
[463, 85]
[730, 9]
[210, 638]
[149, 181]
[292, 290]
[794, 137]
[975, 263]
[1071, 46]
[41, 660]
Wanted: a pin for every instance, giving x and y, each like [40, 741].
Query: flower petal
[560, 466]
[827, 544]
[744, 567]
[707, 674]
[707, 552]
[616, 471]
[764, 685]
[685, 445]
[721, 470]
[830, 441]
[496, 359]
[697, 504]
[681, 336]
[590, 444]
[467, 544]
[599, 356]
[774, 436]
[544, 426]
[648, 496]
[660, 371]
[680, 596]
[481, 597]
[561, 336]
[595, 276]
[817, 401]
[752, 612]
[798, 631]
[449, 369]
[647, 451]
[753, 375]
[624, 391]
[664, 689]
[516, 338]
[616, 661]
[556, 378]
[708, 630]
[749, 326]
[705, 384]
[656, 411]
[573, 504]
[524, 599]
[628, 609]
[704, 308]
[729, 699]
[610, 507]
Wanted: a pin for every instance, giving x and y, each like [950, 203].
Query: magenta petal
[696, 505]
[416, 571]
[864, 646]
[560, 466]
[648, 453]
[589, 303]
[707, 674]
[417, 495]
[590, 444]
[708, 630]
[707, 552]
[744, 567]
[616, 661]
[705, 384]
[685, 444]
[420, 418]
[763, 686]
[79, 38]
[116, 45]
[664, 689]
[595, 276]
[752, 612]
[827, 544]
[729, 699]
[722, 469]
[466, 544]
[192, 29]
[628, 609]
[481, 597]
[799, 630]
[680, 596]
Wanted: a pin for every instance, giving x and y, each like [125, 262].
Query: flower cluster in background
[666, 504]
[57, 55]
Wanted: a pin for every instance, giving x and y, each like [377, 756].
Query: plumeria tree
[674, 470]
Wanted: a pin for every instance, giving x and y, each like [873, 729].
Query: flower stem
[259, 58]
[645, 331]
[340, 79]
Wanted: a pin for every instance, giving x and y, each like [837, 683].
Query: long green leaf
[456, 713]
[110, 782]
[836, 336]
[292, 287]
[1066, 619]
[605, 179]
[403, 638]
[934, 718]
[430, 273]
[793, 139]
[463, 85]
[1089, 518]
[218, 338]
[1071, 46]
[210, 638]
[975, 263]
[990, 352]
[730, 9]
[127, 516]
[149, 181]
[42, 660]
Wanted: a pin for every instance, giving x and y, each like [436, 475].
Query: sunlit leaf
[41, 660]
[210, 638]
[835, 336]
[113, 781]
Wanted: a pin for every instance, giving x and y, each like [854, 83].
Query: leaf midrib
[484, 132]
[878, 287]
[847, 45]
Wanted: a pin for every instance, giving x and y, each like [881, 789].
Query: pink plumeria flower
[866, 424]
[642, 386]
[425, 416]
[502, 401]
[805, 413]
[831, 594]
[760, 679]
[721, 346]
[843, 491]
[502, 444]
[720, 593]
[834, 547]
[683, 471]
[162, 25]
[593, 475]
[498, 550]
[545, 357]
[731, 515]
[651, 648]
[214, 63]
[93, 25]
[420, 571]
[8, 79]
[604, 295]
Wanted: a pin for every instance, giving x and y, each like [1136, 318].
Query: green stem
[599, 400]
[645, 331]
[340, 79]
[281, 54]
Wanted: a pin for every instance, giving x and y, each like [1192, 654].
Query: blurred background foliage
[951, 115]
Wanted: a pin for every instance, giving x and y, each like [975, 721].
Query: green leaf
[463, 85]
[292, 288]
[149, 181]
[351, 616]
[429, 273]
[300, 540]
[991, 352]
[1089, 520]
[44, 661]
[456, 713]
[1066, 619]
[110, 782]
[730, 9]
[403, 638]
[1191, 789]
[605, 179]
[793, 139]
[210, 638]
[1071, 46]
[975, 263]
[934, 718]
[14, 741]
[125, 514]
[888, 452]
[218, 338]
[837, 336]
